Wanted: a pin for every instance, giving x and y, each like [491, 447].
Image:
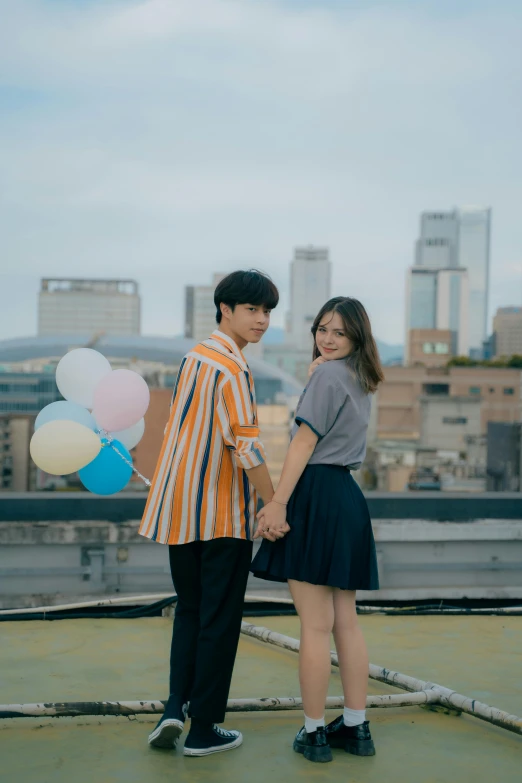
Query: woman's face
[331, 338]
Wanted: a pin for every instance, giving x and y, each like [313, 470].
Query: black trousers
[210, 580]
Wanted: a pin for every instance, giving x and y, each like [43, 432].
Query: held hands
[271, 522]
[315, 365]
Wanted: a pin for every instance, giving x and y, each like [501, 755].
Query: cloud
[167, 139]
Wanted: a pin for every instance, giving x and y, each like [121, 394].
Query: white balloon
[79, 372]
[131, 436]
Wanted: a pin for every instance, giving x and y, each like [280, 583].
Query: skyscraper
[437, 299]
[83, 306]
[457, 239]
[310, 281]
[437, 245]
[473, 255]
[200, 310]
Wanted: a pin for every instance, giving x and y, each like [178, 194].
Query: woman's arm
[272, 517]
[299, 452]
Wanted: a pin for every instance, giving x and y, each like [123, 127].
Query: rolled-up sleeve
[322, 400]
[237, 422]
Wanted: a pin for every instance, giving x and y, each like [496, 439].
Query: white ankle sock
[312, 724]
[353, 717]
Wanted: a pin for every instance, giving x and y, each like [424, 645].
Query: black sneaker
[204, 739]
[166, 733]
[314, 745]
[354, 739]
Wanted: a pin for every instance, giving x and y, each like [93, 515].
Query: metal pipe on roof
[389, 676]
[439, 694]
[402, 681]
[249, 598]
[270, 704]
[120, 601]
[478, 709]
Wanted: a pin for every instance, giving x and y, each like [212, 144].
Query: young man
[202, 503]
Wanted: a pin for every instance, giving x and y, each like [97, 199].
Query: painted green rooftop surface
[97, 659]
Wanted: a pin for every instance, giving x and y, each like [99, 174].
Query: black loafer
[168, 729]
[353, 739]
[313, 746]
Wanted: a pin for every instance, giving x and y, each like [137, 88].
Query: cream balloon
[78, 374]
[131, 436]
[61, 447]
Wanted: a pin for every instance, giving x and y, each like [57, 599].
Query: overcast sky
[166, 139]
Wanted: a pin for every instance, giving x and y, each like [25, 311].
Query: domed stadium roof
[167, 350]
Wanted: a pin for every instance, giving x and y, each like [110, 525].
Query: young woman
[329, 552]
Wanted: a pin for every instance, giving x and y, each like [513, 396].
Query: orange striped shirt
[200, 489]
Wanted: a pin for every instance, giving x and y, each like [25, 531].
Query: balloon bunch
[97, 424]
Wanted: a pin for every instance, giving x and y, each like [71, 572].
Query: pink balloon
[120, 400]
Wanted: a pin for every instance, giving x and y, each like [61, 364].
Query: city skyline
[279, 316]
[197, 140]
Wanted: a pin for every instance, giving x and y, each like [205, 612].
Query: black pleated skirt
[331, 538]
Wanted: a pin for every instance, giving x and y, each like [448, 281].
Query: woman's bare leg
[315, 606]
[351, 650]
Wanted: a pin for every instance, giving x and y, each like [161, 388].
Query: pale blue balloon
[69, 411]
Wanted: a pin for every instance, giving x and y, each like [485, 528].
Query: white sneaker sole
[166, 734]
[214, 749]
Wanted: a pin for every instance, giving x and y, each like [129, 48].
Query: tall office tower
[474, 251]
[200, 311]
[310, 281]
[460, 238]
[437, 245]
[437, 299]
[78, 306]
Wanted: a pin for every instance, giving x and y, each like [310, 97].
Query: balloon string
[106, 435]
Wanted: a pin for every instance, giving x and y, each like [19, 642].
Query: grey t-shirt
[335, 407]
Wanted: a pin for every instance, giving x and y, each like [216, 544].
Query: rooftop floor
[100, 659]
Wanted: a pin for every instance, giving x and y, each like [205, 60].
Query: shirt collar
[229, 343]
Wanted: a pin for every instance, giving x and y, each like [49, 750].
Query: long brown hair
[364, 357]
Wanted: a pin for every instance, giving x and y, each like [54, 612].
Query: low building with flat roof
[507, 331]
[104, 306]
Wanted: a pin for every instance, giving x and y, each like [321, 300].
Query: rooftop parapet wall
[430, 506]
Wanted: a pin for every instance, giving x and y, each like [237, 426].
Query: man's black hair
[251, 287]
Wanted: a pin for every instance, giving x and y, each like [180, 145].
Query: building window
[508, 390]
[440, 348]
[491, 390]
[438, 389]
[474, 389]
[454, 420]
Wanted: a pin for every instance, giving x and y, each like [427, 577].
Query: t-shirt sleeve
[323, 399]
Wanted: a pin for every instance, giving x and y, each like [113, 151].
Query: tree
[514, 362]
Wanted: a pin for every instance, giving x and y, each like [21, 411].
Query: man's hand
[315, 365]
[271, 522]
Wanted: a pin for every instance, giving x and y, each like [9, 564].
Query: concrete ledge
[385, 530]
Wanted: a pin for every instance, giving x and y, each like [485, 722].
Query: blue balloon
[108, 473]
[69, 411]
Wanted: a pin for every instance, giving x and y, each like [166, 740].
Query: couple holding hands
[316, 527]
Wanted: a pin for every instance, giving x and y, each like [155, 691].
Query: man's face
[248, 322]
